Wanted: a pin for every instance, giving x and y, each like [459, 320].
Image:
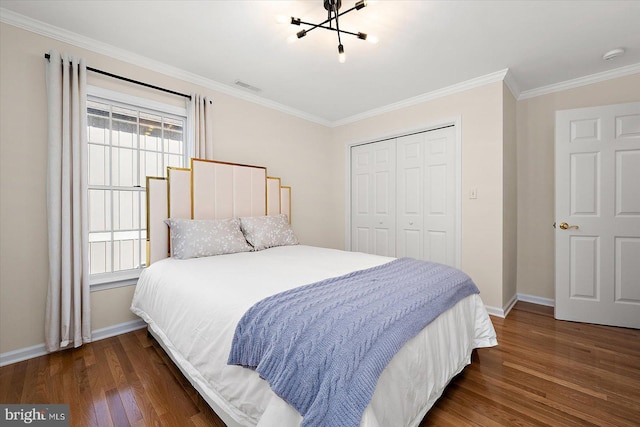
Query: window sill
[101, 282]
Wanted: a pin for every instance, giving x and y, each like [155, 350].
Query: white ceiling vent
[247, 86]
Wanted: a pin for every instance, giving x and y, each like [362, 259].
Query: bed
[193, 306]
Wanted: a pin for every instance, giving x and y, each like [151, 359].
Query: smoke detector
[613, 54]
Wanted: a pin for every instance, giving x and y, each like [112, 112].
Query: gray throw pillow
[264, 232]
[193, 238]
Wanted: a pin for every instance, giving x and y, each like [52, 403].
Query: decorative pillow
[264, 232]
[193, 238]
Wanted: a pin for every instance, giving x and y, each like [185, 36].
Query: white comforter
[193, 307]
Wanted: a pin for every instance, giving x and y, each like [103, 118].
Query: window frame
[102, 281]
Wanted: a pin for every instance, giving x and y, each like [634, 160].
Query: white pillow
[193, 238]
[264, 232]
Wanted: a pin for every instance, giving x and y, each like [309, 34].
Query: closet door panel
[410, 193]
[437, 246]
[410, 243]
[440, 196]
[384, 182]
[361, 241]
[373, 181]
[361, 188]
[436, 196]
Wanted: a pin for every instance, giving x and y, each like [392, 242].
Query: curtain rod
[126, 79]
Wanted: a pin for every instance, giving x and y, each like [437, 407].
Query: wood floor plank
[18, 379]
[78, 410]
[543, 372]
[116, 409]
[125, 389]
[98, 397]
[6, 374]
[33, 390]
[139, 373]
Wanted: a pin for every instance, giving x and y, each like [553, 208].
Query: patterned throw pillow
[193, 238]
[264, 232]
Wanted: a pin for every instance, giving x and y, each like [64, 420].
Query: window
[128, 141]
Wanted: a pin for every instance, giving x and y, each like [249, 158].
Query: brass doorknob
[565, 226]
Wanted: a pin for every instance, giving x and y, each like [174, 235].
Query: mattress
[193, 306]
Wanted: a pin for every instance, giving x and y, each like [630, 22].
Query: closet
[404, 196]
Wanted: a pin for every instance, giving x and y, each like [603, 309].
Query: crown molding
[9, 17]
[581, 81]
[512, 84]
[429, 96]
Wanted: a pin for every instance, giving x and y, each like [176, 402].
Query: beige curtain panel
[201, 111]
[68, 307]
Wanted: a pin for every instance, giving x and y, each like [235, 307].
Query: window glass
[127, 143]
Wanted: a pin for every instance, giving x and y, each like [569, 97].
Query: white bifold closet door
[373, 198]
[410, 180]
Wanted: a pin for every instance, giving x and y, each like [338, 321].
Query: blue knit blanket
[321, 347]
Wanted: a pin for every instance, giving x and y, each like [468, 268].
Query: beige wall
[292, 148]
[536, 120]
[481, 115]
[509, 198]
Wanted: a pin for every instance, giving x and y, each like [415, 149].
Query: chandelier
[332, 24]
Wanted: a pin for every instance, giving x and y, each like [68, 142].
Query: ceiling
[424, 45]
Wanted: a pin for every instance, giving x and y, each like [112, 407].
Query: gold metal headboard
[209, 189]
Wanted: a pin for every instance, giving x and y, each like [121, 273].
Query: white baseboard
[121, 328]
[507, 308]
[504, 311]
[537, 300]
[26, 353]
[21, 354]
[494, 311]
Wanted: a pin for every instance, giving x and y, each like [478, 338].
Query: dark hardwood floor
[544, 372]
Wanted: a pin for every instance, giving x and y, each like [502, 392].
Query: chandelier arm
[314, 26]
[329, 28]
[346, 11]
[335, 11]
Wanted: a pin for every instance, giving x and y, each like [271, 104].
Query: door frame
[455, 121]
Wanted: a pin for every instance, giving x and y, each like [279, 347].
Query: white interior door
[373, 182]
[598, 215]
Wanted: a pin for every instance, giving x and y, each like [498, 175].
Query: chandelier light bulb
[372, 39]
[342, 57]
[282, 19]
[292, 38]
